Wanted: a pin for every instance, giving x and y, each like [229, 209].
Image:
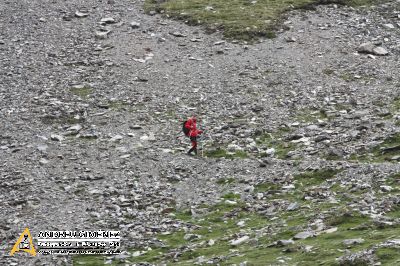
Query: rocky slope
[92, 95]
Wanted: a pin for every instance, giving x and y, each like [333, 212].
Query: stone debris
[93, 98]
[370, 48]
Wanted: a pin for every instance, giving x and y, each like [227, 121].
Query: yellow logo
[24, 243]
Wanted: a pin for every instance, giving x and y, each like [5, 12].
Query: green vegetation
[82, 92]
[267, 187]
[212, 231]
[88, 260]
[276, 141]
[239, 19]
[65, 119]
[118, 105]
[388, 255]
[394, 182]
[396, 104]
[223, 181]
[311, 116]
[385, 151]
[221, 153]
[311, 178]
[328, 71]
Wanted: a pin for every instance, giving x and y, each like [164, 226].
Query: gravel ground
[91, 111]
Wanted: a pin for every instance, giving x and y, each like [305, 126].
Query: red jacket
[191, 125]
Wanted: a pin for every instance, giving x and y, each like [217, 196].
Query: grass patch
[388, 255]
[311, 116]
[389, 148]
[385, 151]
[239, 19]
[65, 119]
[311, 178]
[220, 225]
[328, 71]
[118, 105]
[89, 260]
[396, 104]
[267, 186]
[221, 153]
[282, 147]
[82, 92]
[350, 219]
[394, 181]
[223, 181]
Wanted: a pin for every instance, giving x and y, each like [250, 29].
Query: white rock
[134, 25]
[386, 188]
[152, 137]
[108, 20]
[389, 26]
[350, 242]
[43, 161]
[75, 128]
[42, 148]
[236, 242]
[56, 137]
[330, 230]
[241, 223]
[380, 51]
[219, 42]
[144, 137]
[303, 235]
[79, 14]
[102, 34]
[367, 47]
[270, 151]
[230, 202]
[116, 138]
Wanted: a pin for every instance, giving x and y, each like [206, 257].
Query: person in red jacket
[192, 133]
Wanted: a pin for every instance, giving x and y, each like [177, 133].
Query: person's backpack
[185, 129]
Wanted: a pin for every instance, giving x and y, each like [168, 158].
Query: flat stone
[74, 129]
[367, 48]
[380, 51]
[189, 237]
[102, 34]
[108, 20]
[43, 161]
[42, 148]
[290, 39]
[281, 243]
[219, 42]
[293, 206]
[116, 138]
[303, 235]
[230, 202]
[241, 240]
[351, 242]
[80, 14]
[386, 188]
[134, 24]
[136, 127]
[177, 34]
[330, 230]
[389, 26]
[56, 137]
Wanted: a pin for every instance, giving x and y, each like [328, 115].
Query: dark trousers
[194, 145]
